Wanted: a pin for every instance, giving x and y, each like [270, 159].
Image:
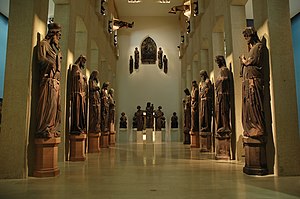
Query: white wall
[149, 83]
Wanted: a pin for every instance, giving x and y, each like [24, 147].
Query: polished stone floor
[138, 171]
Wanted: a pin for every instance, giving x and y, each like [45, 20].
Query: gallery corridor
[138, 171]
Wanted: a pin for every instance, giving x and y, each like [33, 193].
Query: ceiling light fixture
[164, 1]
[134, 1]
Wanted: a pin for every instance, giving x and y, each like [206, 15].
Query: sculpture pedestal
[93, 144]
[77, 147]
[149, 135]
[223, 148]
[205, 141]
[255, 156]
[112, 138]
[46, 154]
[158, 137]
[174, 135]
[122, 135]
[104, 140]
[139, 137]
[194, 139]
[187, 137]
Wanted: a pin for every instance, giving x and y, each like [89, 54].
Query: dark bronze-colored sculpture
[252, 90]
[130, 64]
[79, 97]
[149, 115]
[112, 107]
[159, 119]
[187, 116]
[160, 58]
[205, 94]
[94, 103]
[123, 24]
[195, 107]
[123, 120]
[136, 58]
[222, 110]
[139, 119]
[165, 61]
[174, 121]
[222, 98]
[253, 119]
[105, 123]
[49, 63]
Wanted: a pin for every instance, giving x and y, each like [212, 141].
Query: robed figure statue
[78, 97]
[94, 103]
[49, 63]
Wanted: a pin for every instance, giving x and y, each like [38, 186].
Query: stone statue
[136, 58]
[123, 120]
[78, 97]
[130, 64]
[160, 58]
[105, 123]
[205, 94]
[252, 86]
[123, 24]
[49, 63]
[187, 116]
[195, 107]
[149, 115]
[94, 103]
[222, 98]
[165, 61]
[139, 119]
[158, 119]
[174, 121]
[112, 106]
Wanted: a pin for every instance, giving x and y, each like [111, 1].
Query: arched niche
[148, 51]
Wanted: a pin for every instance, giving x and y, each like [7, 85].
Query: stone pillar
[235, 46]
[26, 18]
[272, 20]
[62, 16]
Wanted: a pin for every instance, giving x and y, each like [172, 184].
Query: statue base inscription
[46, 157]
[104, 140]
[255, 156]
[205, 141]
[93, 145]
[77, 147]
[194, 139]
[223, 148]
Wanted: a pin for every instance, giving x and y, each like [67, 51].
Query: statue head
[105, 85]
[203, 75]
[81, 60]
[138, 107]
[220, 60]
[159, 107]
[111, 91]
[122, 113]
[250, 35]
[54, 34]
[187, 92]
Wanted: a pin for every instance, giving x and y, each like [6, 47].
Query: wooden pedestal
[205, 141]
[46, 157]
[194, 139]
[77, 147]
[93, 142]
[112, 138]
[223, 148]
[255, 156]
[187, 137]
[104, 140]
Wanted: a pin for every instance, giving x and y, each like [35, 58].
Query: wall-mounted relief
[148, 51]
